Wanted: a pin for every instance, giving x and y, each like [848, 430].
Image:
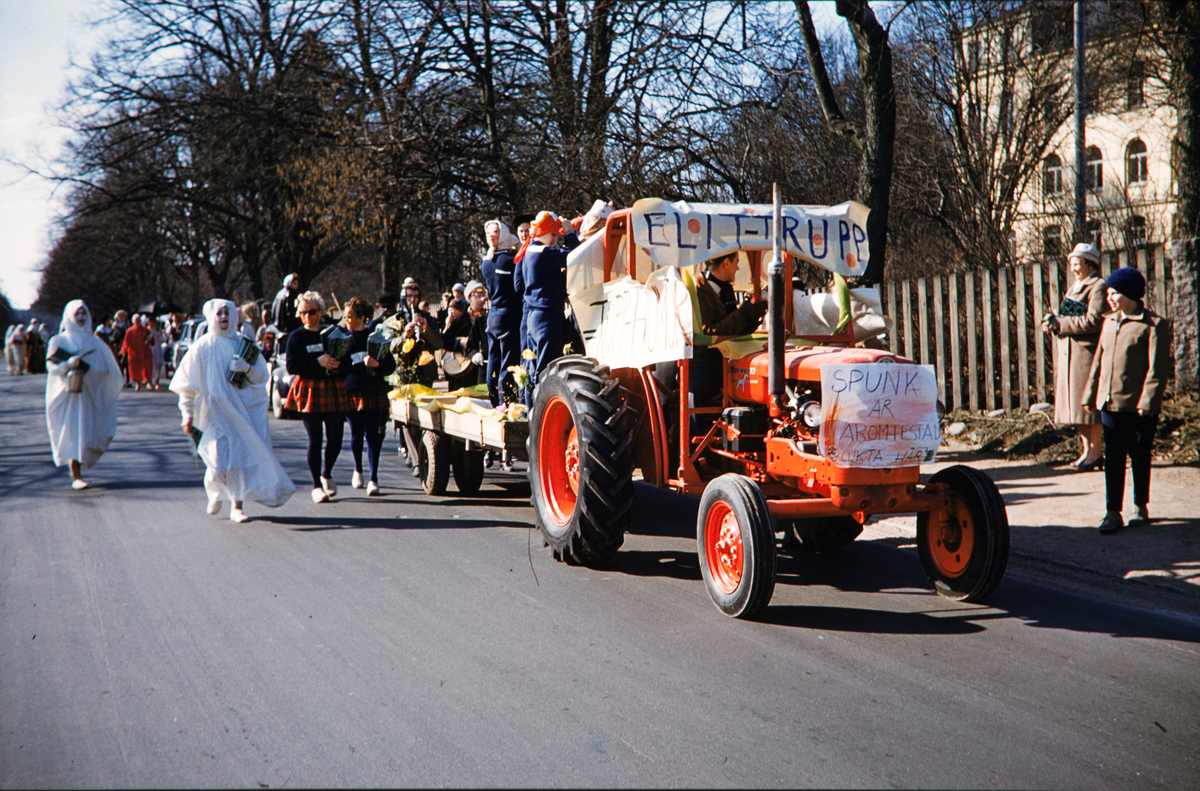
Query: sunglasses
[309, 311]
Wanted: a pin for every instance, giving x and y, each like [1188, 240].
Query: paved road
[406, 641]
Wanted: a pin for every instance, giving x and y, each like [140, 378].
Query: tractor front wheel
[736, 538]
[964, 548]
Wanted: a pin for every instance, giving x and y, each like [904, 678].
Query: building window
[1093, 234]
[1007, 113]
[1092, 81]
[1052, 242]
[1094, 174]
[1049, 107]
[1137, 163]
[1012, 245]
[1052, 176]
[1135, 231]
[1135, 87]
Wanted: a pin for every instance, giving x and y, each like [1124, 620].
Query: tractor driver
[719, 315]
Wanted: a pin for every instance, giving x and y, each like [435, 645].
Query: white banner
[626, 324]
[879, 415]
[682, 234]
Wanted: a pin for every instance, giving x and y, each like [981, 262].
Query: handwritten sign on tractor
[682, 234]
[879, 415]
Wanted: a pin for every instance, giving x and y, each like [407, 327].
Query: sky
[38, 40]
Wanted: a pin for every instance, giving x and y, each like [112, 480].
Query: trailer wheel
[467, 466]
[964, 550]
[736, 538]
[433, 462]
[580, 460]
[821, 534]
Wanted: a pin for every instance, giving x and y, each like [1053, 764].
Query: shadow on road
[853, 619]
[309, 524]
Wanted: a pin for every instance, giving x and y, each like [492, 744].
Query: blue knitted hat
[1127, 281]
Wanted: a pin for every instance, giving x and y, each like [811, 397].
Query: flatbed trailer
[448, 442]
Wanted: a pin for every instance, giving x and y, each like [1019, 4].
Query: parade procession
[620, 342]
[594, 394]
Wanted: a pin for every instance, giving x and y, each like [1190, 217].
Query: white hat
[474, 284]
[458, 287]
[1085, 251]
[408, 281]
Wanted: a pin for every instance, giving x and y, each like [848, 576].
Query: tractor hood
[747, 376]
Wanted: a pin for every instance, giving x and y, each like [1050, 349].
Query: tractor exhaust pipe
[775, 302]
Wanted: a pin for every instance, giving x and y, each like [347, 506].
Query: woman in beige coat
[1077, 324]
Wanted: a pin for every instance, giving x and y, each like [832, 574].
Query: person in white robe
[84, 422]
[235, 441]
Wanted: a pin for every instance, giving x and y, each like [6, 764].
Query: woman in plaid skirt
[317, 393]
[368, 392]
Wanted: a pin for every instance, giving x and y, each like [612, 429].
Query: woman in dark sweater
[317, 393]
[367, 390]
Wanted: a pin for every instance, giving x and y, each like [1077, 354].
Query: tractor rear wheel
[581, 460]
[964, 549]
[821, 534]
[467, 466]
[433, 463]
[736, 538]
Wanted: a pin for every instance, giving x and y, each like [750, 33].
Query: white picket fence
[981, 330]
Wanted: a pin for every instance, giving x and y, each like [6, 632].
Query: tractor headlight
[811, 414]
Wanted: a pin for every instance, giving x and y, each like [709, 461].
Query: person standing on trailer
[542, 275]
[504, 318]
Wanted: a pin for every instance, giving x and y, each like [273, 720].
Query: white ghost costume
[81, 424]
[236, 439]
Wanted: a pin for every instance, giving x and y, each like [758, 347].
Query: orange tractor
[785, 452]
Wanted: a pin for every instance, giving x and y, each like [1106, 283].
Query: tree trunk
[1185, 270]
[879, 126]
[1182, 22]
[878, 131]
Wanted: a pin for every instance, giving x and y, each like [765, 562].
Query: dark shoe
[1089, 466]
[1112, 522]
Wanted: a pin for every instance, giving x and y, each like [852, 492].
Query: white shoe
[78, 484]
[372, 489]
[238, 515]
[329, 486]
[319, 496]
[214, 507]
[357, 481]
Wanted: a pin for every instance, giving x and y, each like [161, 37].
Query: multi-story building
[1020, 66]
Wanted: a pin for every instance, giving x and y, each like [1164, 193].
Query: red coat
[137, 350]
